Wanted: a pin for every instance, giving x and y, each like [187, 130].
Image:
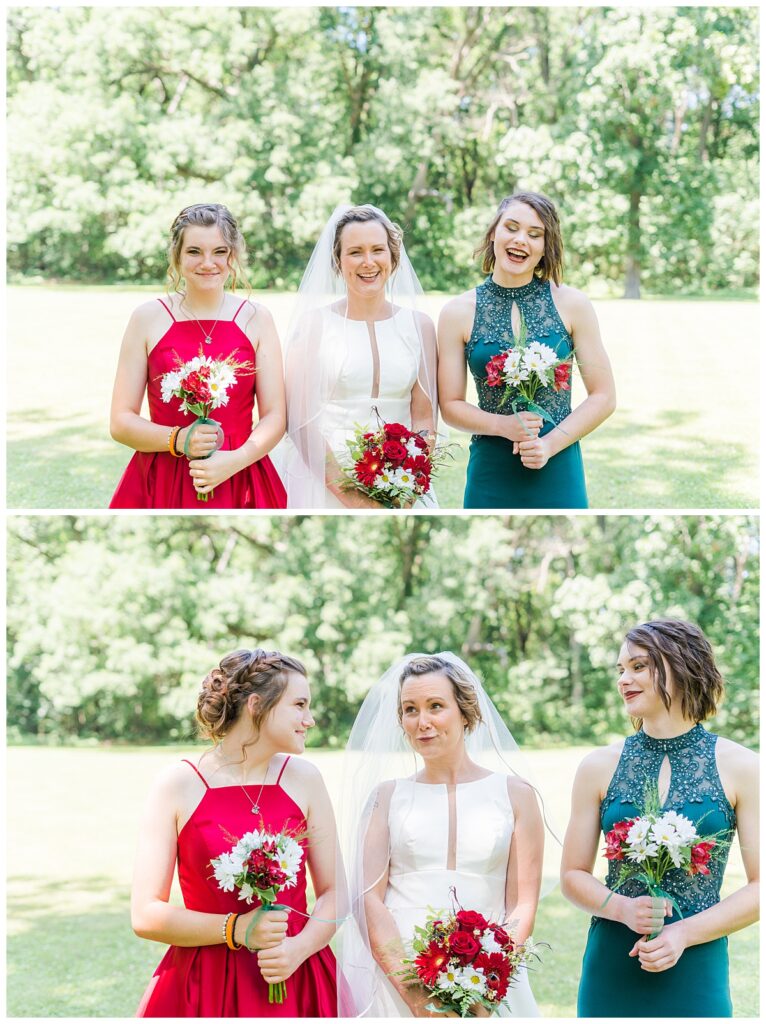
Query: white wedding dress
[368, 367]
[419, 879]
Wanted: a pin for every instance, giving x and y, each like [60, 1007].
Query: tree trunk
[633, 262]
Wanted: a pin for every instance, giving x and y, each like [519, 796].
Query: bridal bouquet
[260, 865]
[655, 842]
[463, 960]
[526, 368]
[392, 465]
[202, 384]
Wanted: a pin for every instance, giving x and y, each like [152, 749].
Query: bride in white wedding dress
[452, 824]
[359, 353]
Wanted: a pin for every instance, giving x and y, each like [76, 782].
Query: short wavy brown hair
[462, 687]
[697, 682]
[362, 215]
[206, 215]
[551, 266]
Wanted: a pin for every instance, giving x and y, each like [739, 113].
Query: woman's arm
[736, 911]
[581, 846]
[152, 917]
[597, 376]
[421, 409]
[322, 855]
[525, 860]
[455, 325]
[126, 424]
[208, 473]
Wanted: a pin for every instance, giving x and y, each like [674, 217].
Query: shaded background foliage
[113, 622]
[641, 124]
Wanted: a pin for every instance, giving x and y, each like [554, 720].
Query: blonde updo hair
[206, 215]
[226, 690]
[462, 686]
[363, 215]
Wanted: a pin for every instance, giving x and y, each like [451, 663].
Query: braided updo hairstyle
[226, 690]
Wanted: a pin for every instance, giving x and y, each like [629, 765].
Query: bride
[358, 354]
[450, 823]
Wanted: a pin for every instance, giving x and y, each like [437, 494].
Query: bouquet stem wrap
[278, 992]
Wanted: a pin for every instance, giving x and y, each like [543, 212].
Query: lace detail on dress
[492, 332]
[695, 786]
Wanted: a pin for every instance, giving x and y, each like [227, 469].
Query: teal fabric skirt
[612, 983]
[497, 479]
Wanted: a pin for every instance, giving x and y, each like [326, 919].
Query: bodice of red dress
[157, 479]
[214, 981]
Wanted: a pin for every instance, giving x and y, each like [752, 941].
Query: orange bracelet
[231, 920]
[172, 443]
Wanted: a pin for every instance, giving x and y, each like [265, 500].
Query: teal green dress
[495, 476]
[613, 984]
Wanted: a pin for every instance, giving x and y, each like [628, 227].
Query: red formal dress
[215, 981]
[157, 479]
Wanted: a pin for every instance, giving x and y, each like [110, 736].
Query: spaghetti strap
[284, 765]
[174, 320]
[184, 760]
[239, 310]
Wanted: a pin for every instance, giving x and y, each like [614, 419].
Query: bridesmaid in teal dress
[669, 682]
[517, 460]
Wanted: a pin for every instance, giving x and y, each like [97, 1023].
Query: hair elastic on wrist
[172, 438]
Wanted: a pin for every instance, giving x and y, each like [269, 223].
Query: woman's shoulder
[569, 298]
[737, 756]
[600, 761]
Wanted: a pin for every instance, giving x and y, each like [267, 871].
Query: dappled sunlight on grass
[684, 434]
[71, 950]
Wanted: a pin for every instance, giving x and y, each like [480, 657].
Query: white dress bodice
[419, 880]
[348, 400]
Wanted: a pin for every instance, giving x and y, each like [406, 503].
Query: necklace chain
[206, 335]
[255, 808]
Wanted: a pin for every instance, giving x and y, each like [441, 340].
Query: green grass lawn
[685, 434]
[72, 822]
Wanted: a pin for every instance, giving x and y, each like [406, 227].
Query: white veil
[310, 376]
[377, 751]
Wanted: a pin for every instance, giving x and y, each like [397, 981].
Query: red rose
[394, 451]
[369, 466]
[561, 377]
[395, 430]
[431, 962]
[495, 369]
[700, 859]
[420, 442]
[469, 920]
[497, 971]
[502, 937]
[464, 946]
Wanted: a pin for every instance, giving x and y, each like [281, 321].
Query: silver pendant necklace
[255, 808]
[207, 336]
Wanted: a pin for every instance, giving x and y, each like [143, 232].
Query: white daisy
[472, 979]
[685, 828]
[639, 830]
[642, 849]
[489, 943]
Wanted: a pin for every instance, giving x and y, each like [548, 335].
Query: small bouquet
[392, 465]
[526, 368]
[464, 959]
[202, 384]
[656, 842]
[260, 865]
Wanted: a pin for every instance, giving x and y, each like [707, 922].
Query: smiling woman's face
[636, 684]
[365, 257]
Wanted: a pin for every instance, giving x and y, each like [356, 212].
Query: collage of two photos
[382, 528]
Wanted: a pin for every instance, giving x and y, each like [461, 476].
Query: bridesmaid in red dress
[256, 706]
[230, 465]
